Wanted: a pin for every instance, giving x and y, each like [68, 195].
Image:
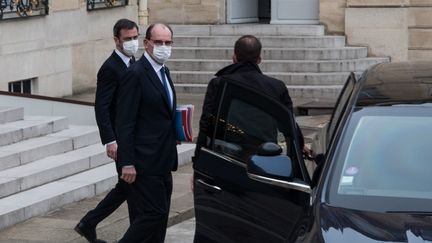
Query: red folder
[183, 122]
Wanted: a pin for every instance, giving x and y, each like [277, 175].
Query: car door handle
[209, 187]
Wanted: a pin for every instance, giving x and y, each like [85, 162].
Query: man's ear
[145, 43]
[258, 60]
[117, 42]
[234, 58]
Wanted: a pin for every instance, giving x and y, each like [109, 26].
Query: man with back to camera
[126, 40]
[146, 136]
[245, 70]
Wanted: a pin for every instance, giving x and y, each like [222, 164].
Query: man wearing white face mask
[126, 42]
[146, 137]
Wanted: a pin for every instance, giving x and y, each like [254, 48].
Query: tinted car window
[247, 127]
[385, 153]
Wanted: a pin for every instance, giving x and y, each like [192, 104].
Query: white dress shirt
[124, 58]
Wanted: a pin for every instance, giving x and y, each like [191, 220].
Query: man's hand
[308, 152]
[128, 174]
[111, 150]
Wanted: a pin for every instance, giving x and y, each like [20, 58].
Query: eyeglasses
[160, 42]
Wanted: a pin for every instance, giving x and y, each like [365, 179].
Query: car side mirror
[268, 162]
[271, 167]
[269, 149]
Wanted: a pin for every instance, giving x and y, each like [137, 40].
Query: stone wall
[401, 29]
[187, 11]
[332, 15]
[62, 50]
[420, 30]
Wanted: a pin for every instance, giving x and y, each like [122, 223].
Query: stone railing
[103, 4]
[10, 9]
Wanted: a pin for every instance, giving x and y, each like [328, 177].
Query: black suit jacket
[145, 122]
[108, 79]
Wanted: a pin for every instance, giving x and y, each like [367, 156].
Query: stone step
[226, 53]
[39, 200]
[11, 114]
[81, 136]
[353, 65]
[37, 148]
[51, 168]
[247, 29]
[30, 127]
[266, 41]
[313, 108]
[24, 205]
[185, 152]
[315, 92]
[326, 78]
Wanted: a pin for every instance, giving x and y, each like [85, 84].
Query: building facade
[55, 47]
[400, 29]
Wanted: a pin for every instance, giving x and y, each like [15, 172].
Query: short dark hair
[150, 28]
[123, 24]
[248, 48]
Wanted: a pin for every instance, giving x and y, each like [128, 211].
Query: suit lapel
[154, 79]
[118, 59]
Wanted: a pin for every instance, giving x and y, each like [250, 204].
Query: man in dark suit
[244, 70]
[126, 40]
[146, 136]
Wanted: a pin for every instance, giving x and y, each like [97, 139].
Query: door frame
[275, 17]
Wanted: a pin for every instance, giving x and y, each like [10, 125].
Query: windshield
[385, 154]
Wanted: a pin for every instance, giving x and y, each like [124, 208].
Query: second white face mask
[161, 53]
[130, 48]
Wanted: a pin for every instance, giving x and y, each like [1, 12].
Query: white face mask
[161, 53]
[130, 48]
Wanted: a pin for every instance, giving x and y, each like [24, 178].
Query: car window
[389, 156]
[246, 128]
[382, 161]
[247, 118]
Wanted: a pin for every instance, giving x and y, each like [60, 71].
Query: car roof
[396, 83]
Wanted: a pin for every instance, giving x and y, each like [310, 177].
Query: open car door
[229, 205]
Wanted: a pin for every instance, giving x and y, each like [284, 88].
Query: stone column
[382, 25]
[420, 28]
[332, 15]
[143, 12]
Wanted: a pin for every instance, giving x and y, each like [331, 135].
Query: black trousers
[151, 198]
[108, 205]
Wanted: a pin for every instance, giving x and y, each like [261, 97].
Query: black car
[374, 183]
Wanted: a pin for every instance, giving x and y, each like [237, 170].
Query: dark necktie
[165, 84]
[131, 61]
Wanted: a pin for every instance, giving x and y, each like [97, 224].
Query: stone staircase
[46, 163]
[313, 65]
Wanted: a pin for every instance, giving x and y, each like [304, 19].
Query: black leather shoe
[88, 233]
